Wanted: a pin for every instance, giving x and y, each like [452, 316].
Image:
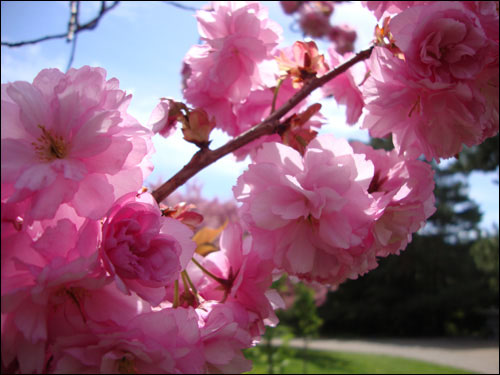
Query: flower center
[75, 294]
[416, 106]
[49, 147]
[377, 182]
[126, 365]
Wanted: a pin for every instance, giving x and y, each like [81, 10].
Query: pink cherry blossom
[397, 102]
[223, 339]
[239, 37]
[92, 272]
[70, 140]
[163, 118]
[12, 225]
[487, 83]
[487, 12]
[142, 250]
[379, 8]
[404, 199]
[311, 214]
[443, 41]
[345, 88]
[244, 278]
[51, 276]
[42, 239]
[66, 300]
[165, 341]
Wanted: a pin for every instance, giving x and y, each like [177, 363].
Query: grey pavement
[469, 354]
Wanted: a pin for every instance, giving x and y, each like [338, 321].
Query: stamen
[126, 365]
[416, 106]
[48, 146]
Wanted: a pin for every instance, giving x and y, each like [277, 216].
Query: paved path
[469, 354]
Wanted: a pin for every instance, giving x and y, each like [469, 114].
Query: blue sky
[143, 44]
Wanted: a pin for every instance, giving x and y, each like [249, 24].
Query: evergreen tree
[483, 157]
[437, 286]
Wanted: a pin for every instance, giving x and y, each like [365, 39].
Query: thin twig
[180, 6]
[73, 19]
[88, 26]
[34, 41]
[72, 27]
[276, 91]
[270, 125]
[72, 53]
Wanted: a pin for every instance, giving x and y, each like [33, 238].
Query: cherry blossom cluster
[235, 75]
[439, 89]
[327, 215]
[97, 276]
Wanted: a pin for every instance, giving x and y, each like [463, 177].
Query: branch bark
[88, 26]
[204, 157]
[72, 27]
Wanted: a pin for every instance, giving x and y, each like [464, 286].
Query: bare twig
[34, 41]
[270, 125]
[72, 53]
[73, 19]
[88, 26]
[180, 6]
[72, 27]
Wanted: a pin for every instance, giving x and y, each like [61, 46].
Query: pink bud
[165, 116]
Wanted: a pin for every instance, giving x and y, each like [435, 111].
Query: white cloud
[24, 63]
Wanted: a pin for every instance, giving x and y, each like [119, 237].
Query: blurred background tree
[444, 283]
[483, 157]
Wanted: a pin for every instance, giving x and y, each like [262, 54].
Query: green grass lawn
[291, 361]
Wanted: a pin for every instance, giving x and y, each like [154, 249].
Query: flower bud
[165, 116]
[302, 62]
[297, 135]
[198, 127]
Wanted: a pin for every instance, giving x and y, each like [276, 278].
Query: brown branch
[88, 26]
[270, 125]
